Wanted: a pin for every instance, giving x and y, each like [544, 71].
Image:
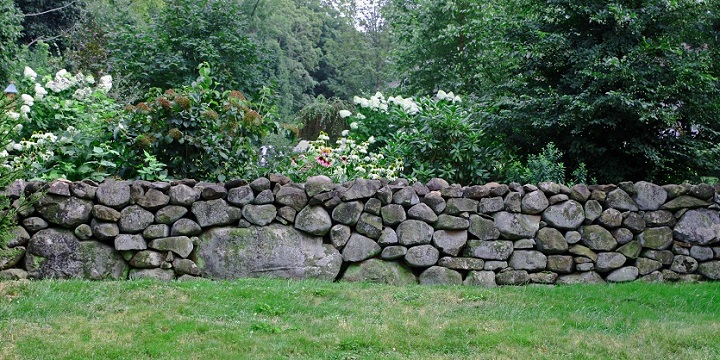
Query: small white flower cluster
[451, 97]
[344, 113]
[30, 73]
[408, 105]
[376, 102]
[64, 81]
[40, 91]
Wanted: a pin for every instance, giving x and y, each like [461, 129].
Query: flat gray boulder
[65, 211]
[438, 275]
[275, 250]
[649, 196]
[490, 250]
[698, 227]
[313, 220]
[360, 248]
[215, 212]
[517, 226]
[565, 215]
[379, 271]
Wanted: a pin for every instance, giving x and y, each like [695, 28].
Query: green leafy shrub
[435, 137]
[546, 166]
[197, 131]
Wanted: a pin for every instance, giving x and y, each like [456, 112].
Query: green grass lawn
[279, 319]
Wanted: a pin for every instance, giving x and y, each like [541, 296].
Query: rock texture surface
[366, 230]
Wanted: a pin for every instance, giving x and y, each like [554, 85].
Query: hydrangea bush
[68, 122]
[438, 136]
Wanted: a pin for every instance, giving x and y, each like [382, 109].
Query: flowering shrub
[348, 160]
[197, 131]
[69, 122]
[435, 137]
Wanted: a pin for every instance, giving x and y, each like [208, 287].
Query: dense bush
[435, 137]
[197, 131]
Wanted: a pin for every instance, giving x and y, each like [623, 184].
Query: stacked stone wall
[365, 230]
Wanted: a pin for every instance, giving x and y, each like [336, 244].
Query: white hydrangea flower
[90, 79]
[323, 137]
[344, 133]
[457, 99]
[27, 99]
[371, 139]
[360, 116]
[354, 125]
[39, 91]
[61, 74]
[344, 113]
[105, 83]
[4, 154]
[13, 115]
[30, 73]
[18, 128]
[441, 95]
[24, 109]
[82, 93]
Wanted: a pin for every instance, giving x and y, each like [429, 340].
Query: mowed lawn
[280, 319]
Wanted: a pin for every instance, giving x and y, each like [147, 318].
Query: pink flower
[322, 161]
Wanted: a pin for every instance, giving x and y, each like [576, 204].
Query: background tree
[630, 88]
[50, 21]
[187, 33]
[10, 28]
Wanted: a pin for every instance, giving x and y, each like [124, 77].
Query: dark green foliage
[51, 21]
[10, 28]
[187, 33]
[546, 166]
[628, 88]
[198, 131]
[449, 141]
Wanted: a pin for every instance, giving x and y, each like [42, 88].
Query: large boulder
[100, 261]
[153, 199]
[379, 271]
[710, 269]
[414, 232]
[215, 212]
[565, 215]
[65, 211]
[275, 250]
[649, 196]
[490, 250]
[181, 245]
[313, 220]
[359, 248]
[292, 196]
[348, 213]
[597, 237]
[438, 275]
[699, 227]
[53, 254]
[134, 219]
[516, 226]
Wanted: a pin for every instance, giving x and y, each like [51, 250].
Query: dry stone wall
[365, 230]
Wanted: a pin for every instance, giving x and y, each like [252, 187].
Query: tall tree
[630, 88]
[452, 44]
[167, 52]
[10, 28]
